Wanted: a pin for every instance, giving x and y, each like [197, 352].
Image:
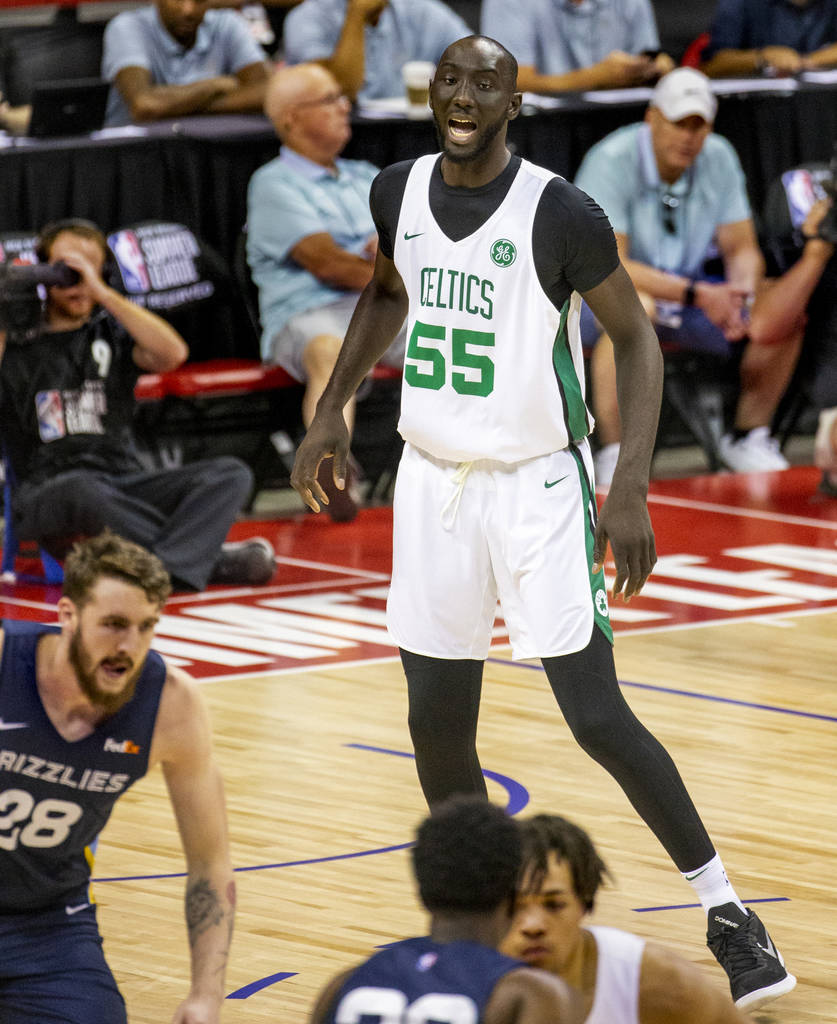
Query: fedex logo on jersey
[129, 256]
[49, 409]
[121, 746]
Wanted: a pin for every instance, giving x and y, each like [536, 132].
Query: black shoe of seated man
[741, 945]
[251, 562]
[341, 505]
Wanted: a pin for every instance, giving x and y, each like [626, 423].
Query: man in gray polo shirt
[174, 59]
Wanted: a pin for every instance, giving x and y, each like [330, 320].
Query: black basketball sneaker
[741, 945]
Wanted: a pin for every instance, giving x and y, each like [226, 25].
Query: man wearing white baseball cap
[675, 194]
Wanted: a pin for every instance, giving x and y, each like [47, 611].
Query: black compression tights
[444, 701]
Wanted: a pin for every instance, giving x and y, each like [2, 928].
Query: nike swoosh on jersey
[12, 725]
[408, 236]
[76, 909]
[551, 483]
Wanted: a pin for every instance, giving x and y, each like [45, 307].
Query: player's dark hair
[467, 856]
[543, 834]
[112, 556]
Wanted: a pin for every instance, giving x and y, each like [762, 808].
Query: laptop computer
[70, 106]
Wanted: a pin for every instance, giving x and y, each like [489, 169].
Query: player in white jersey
[487, 255]
[622, 978]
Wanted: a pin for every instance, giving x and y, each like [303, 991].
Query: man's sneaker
[604, 463]
[741, 945]
[251, 562]
[755, 452]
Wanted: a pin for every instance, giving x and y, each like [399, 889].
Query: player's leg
[53, 971]
[588, 693]
[556, 608]
[440, 612]
[444, 699]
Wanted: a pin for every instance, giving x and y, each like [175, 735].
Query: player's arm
[673, 991]
[183, 744]
[624, 519]
[532, 996]
[157, 345]
[379, 314]
[148, 101]
[326, 998]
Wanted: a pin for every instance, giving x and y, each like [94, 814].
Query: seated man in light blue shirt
[174, 59]
[311, 240]
[576, 45]
[365, 43]
[675, 194]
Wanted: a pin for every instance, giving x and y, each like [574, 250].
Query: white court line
[749, 513]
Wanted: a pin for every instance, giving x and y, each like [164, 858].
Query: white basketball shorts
[466, 535]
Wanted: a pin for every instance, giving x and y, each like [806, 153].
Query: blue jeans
[696, 333]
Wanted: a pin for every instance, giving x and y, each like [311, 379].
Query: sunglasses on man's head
[670, 204]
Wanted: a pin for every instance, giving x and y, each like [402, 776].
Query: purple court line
[256, 986]
[691, 693]
[697, 906]
[518, 799]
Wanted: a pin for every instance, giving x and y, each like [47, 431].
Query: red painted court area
[729, 546]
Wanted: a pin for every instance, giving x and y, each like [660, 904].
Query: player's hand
[625, 524]
[197, 1010]
[327, 435]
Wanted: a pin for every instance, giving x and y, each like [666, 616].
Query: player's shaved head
[496, 55]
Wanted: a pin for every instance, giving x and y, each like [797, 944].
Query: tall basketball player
[489, 256]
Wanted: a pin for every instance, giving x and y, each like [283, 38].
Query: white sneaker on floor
[825, 453]
[604, 463]
[756, 452]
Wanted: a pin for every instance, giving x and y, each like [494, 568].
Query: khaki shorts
[287, 347]
[466, 535]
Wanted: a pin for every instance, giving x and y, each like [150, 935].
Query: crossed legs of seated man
[765, 370]
[182, 515]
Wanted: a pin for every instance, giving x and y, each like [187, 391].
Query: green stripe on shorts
[598, 587]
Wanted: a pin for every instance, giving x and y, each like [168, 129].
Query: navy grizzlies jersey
[422, 982]
[55, 795]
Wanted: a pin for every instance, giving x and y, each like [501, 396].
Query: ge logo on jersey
[503, 252]
[601, 602]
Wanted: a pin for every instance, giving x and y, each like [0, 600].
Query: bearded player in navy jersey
[466, 861]
[86, 708]
[488, 256]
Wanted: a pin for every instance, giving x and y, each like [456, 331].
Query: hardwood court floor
[730, 661]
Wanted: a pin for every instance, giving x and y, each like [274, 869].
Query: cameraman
[66, 422]
[802, 302]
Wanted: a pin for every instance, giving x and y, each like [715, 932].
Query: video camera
[22, 296]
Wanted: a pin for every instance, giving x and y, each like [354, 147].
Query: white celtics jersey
[493, 370]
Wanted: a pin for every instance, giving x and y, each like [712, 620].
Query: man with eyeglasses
[676, 196]
[311, 241]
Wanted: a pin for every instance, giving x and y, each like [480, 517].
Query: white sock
[712, 886]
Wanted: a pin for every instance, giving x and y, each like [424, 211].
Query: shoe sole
[765, 995]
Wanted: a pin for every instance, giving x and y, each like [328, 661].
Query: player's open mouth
[115, 669]
[460, 129]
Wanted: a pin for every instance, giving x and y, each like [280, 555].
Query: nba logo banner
[126, 248]
[50, 412]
